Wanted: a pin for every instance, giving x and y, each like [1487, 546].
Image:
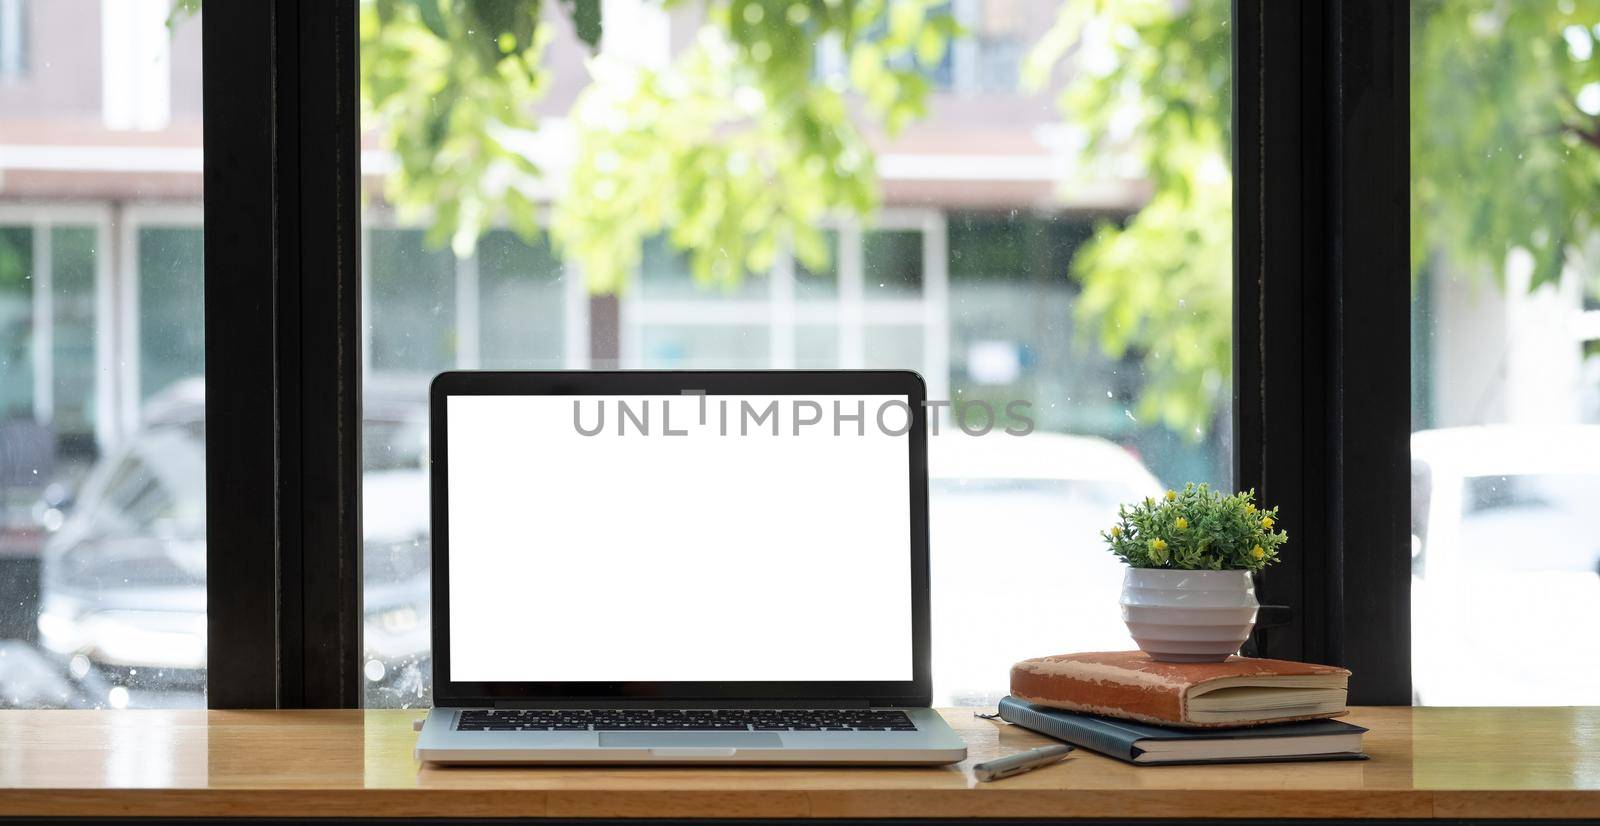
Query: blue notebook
[1144, 744]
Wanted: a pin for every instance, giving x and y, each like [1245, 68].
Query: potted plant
[1188, 595]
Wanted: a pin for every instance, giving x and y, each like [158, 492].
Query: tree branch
[1589, 136]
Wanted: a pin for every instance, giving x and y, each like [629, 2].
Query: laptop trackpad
[690, 739]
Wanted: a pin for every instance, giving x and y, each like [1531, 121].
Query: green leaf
[585, 16]
[931, 45]
[433, 17]
[497, 27]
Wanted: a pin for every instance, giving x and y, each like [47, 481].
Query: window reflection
[102, 430]
[1505, 359]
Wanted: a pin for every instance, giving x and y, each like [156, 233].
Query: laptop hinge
[666, 703]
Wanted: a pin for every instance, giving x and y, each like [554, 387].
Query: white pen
[1020, 762]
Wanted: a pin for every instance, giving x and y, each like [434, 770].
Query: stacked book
[1243, 710]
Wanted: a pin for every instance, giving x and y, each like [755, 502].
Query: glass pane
[171, 296]
[1029, 232]
[894, 266]
[73, 397]
[411, 290]
[664, 272]
[16, 279]
[522, 297]
[816, 346]
[897, 347]
[394, 514]
[821, 282]
[1505, 449]
[704, 347]
[102, 357]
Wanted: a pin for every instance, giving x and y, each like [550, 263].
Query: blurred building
[963, 275]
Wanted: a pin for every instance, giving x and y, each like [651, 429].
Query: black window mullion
[1372, 302]
[1322, 327]
[282, 354]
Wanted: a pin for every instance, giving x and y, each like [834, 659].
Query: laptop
[681, 567]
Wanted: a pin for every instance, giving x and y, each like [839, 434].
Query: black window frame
[283, 358]
[1321, 338]
[1322, 329]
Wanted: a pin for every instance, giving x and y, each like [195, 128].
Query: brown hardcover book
[1240, 691]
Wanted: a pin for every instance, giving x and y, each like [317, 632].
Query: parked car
[1506, 565]
[123, 582]
[1018, 568]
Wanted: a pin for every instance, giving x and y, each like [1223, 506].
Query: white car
[1018, 567]
[1505, 592]
[123, 582]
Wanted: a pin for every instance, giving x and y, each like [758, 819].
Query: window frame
[283, 354]
[1322, 331]
[1321, 337]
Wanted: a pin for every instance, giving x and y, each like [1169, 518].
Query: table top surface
[1426, 762]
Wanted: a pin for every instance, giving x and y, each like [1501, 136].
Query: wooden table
[1426, 763]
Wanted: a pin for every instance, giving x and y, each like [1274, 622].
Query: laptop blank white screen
[780, 551]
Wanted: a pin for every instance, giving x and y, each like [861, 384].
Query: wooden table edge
[972, 804]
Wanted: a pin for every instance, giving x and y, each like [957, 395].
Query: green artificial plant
[1197, 529]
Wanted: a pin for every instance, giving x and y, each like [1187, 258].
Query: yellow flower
[1258, 552]
[1249, 507]
[1181, 523]
[1116, 530]
[1158, 544]
[1266, 522]
[1171, 496]
[1158, 551]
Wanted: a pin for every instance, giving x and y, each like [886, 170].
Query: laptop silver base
[933, 743]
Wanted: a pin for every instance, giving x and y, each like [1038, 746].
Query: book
[1144, 744]
[1239, 691]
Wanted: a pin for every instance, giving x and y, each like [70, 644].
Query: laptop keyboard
[756, 719]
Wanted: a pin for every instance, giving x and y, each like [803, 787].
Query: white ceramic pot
[1188, 616]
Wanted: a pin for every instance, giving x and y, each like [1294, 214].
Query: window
[987, 60]
[1016, 245]
[13, 39]
[102, 421]
[1505, 354]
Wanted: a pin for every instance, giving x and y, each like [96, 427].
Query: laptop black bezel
[916, 692]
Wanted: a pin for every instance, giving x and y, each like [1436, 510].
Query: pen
[1020, 762]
